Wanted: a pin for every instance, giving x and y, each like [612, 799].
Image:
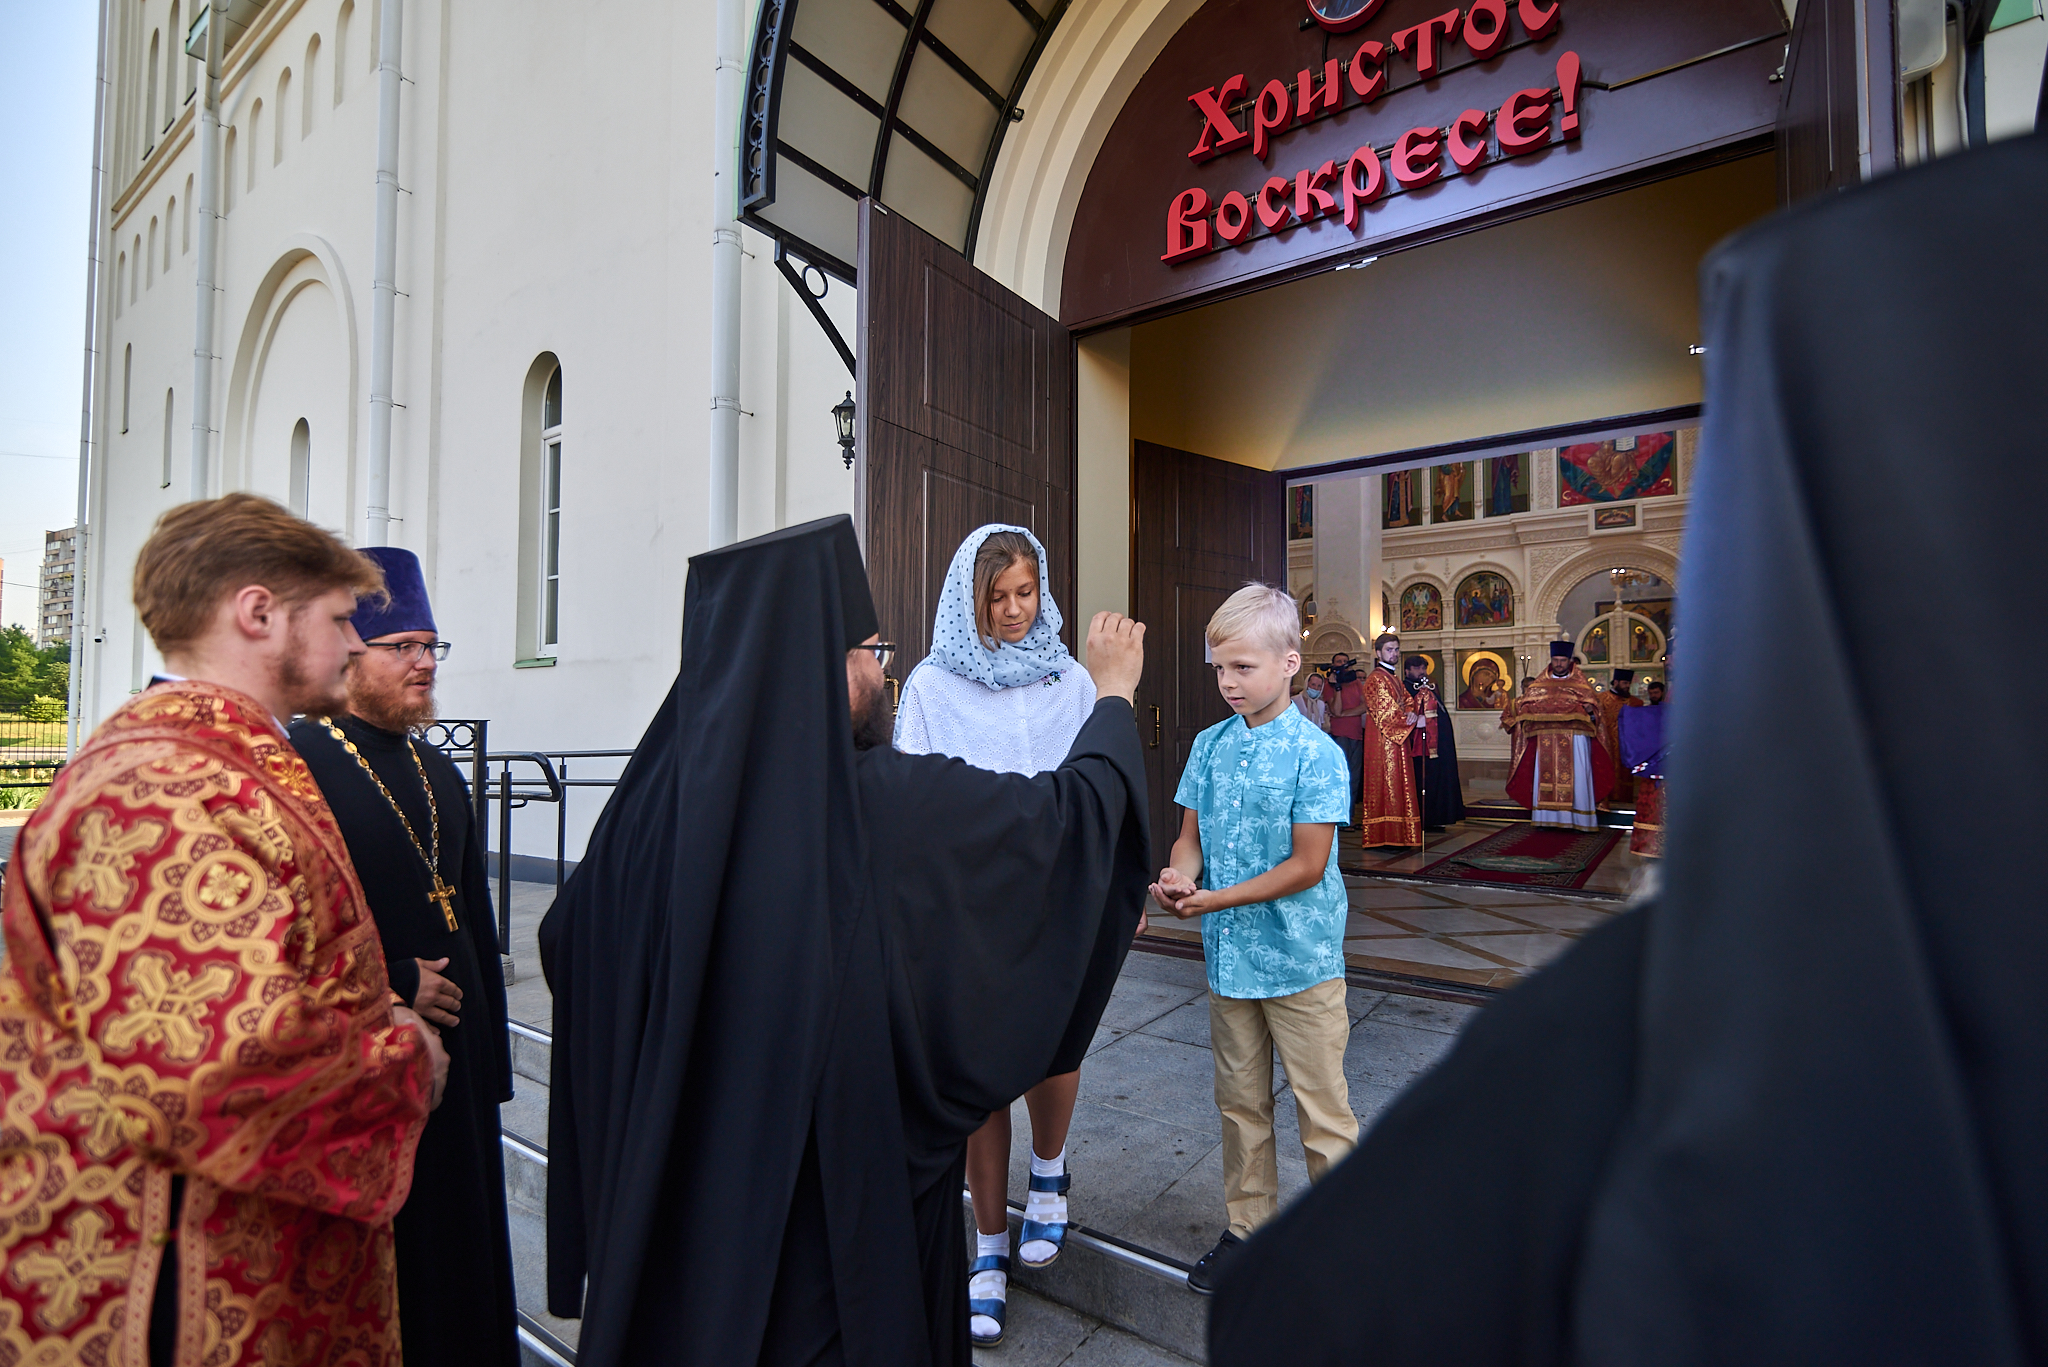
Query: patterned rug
[1528, 855]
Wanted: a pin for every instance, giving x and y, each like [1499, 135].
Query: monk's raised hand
[438, 999]
[1116, 655]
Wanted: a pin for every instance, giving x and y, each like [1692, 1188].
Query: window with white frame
[551, 515]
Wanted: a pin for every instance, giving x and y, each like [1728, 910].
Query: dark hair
[200, 552]
[1383, 638]
[1414, 660]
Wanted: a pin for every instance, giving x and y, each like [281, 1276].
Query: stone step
[1127, 1301]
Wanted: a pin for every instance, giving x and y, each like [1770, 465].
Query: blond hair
[200, 552]
[1260, 614]
[1000, 551]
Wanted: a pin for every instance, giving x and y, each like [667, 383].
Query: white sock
[988, 1286]
[1046, 1207]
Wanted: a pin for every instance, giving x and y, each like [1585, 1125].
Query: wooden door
[1200, 529]
[1838, 124]
[964, 416]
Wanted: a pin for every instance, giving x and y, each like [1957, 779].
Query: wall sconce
[842, 414]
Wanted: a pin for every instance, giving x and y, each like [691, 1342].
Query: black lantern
[842, 413]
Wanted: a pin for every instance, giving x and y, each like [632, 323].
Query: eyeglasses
[883, 651]
[409, 651]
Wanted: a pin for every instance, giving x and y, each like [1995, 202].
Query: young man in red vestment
[1611, 703]
[1392, 812]
[211, 1101]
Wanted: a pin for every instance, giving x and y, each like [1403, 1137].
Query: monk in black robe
[456, 1302]
[1791, 1113]
[1443, 791]
[796, 969]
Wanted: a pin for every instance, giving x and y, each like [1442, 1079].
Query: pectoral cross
[443, 897]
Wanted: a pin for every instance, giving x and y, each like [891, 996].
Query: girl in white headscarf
[1001, 692]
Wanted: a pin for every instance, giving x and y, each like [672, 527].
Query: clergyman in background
[405, 812]
[1347, 707]
[1443, 796]
[1390, 814]
[1612, 702]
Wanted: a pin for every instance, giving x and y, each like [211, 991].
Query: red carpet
[1528, 856]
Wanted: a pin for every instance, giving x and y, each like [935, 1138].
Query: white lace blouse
[1023, 730]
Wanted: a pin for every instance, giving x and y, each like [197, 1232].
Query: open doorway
[1487, 447]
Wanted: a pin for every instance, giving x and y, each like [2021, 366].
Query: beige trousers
[1310, 1029]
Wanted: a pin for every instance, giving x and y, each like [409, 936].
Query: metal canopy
[852, 98]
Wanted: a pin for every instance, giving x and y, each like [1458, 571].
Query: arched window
[149, 268]
[170, 400]
[149, 107]
[120, 281]
[255, 139]
[170, 215]
[302, 468]
[540, 512]
[227, 177]
[311, 68]
[135, 276]
[348, 9]
[127, 378]
[173, 54]
[185, 223]
[284, 109]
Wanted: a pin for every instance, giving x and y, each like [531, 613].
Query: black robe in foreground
[791, 979]
[1443, 793]
[456, 1302]
[1793, 1113]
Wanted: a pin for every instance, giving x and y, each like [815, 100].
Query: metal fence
[31, 752]
[511, 780]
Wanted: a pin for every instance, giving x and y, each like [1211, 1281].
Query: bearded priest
[1564, 772]
[406, 814]
[211, 1100]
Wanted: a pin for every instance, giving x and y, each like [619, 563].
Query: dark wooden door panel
[1827, 104]
[964, 416]
[1201, 529]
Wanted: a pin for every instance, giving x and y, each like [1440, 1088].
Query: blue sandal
[996, 1310]
[1054, 1234]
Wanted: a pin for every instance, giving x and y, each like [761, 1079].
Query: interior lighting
[1696, 349]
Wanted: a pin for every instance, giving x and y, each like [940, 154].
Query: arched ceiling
[852, 98]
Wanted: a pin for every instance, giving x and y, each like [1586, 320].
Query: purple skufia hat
[408, 609]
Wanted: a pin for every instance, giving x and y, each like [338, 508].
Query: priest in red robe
[1564, 771]
[1611, 704]
[1392, 811]
[211, 1103]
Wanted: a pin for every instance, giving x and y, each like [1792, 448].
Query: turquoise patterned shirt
[1248, 788]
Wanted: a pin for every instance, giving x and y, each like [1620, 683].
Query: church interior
[1483, 499]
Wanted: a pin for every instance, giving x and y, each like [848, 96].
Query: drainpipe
[725, 279]
[210, 172]
[384, 288]
[92, 282]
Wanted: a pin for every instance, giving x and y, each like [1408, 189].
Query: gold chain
[443, 894]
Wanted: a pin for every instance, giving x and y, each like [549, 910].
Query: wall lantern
[842, 414]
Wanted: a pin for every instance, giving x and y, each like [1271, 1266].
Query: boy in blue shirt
[1264, 793]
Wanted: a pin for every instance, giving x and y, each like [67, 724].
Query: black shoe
[1202, 1280]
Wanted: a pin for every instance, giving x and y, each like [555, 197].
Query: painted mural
[1483, 676]
[1505, 485]
[1485, 599]
[1301, 512]
[1398, 499]
[1451, 492]
[1422, 608]
[1642, 466]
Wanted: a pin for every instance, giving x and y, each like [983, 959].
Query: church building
[1392, 302]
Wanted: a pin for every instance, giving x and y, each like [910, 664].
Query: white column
[1348, 552]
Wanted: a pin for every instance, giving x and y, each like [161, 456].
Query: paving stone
[1134, 1002]
[1160, 1078]
[1390, 1055]
[1188, 1024]
[1166, 968]
[1424, 1013]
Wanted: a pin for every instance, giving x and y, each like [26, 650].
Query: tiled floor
[1468, 934]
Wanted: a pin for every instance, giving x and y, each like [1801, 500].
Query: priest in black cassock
[1443, 792]
[1792, 1112]
[796, 969]
[405, 813]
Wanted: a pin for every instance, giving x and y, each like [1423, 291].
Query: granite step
[1126, 1303]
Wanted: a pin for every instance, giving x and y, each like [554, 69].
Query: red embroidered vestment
[193, 985]
[1392, 814]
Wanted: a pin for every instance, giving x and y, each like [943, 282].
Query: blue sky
[46, 104]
